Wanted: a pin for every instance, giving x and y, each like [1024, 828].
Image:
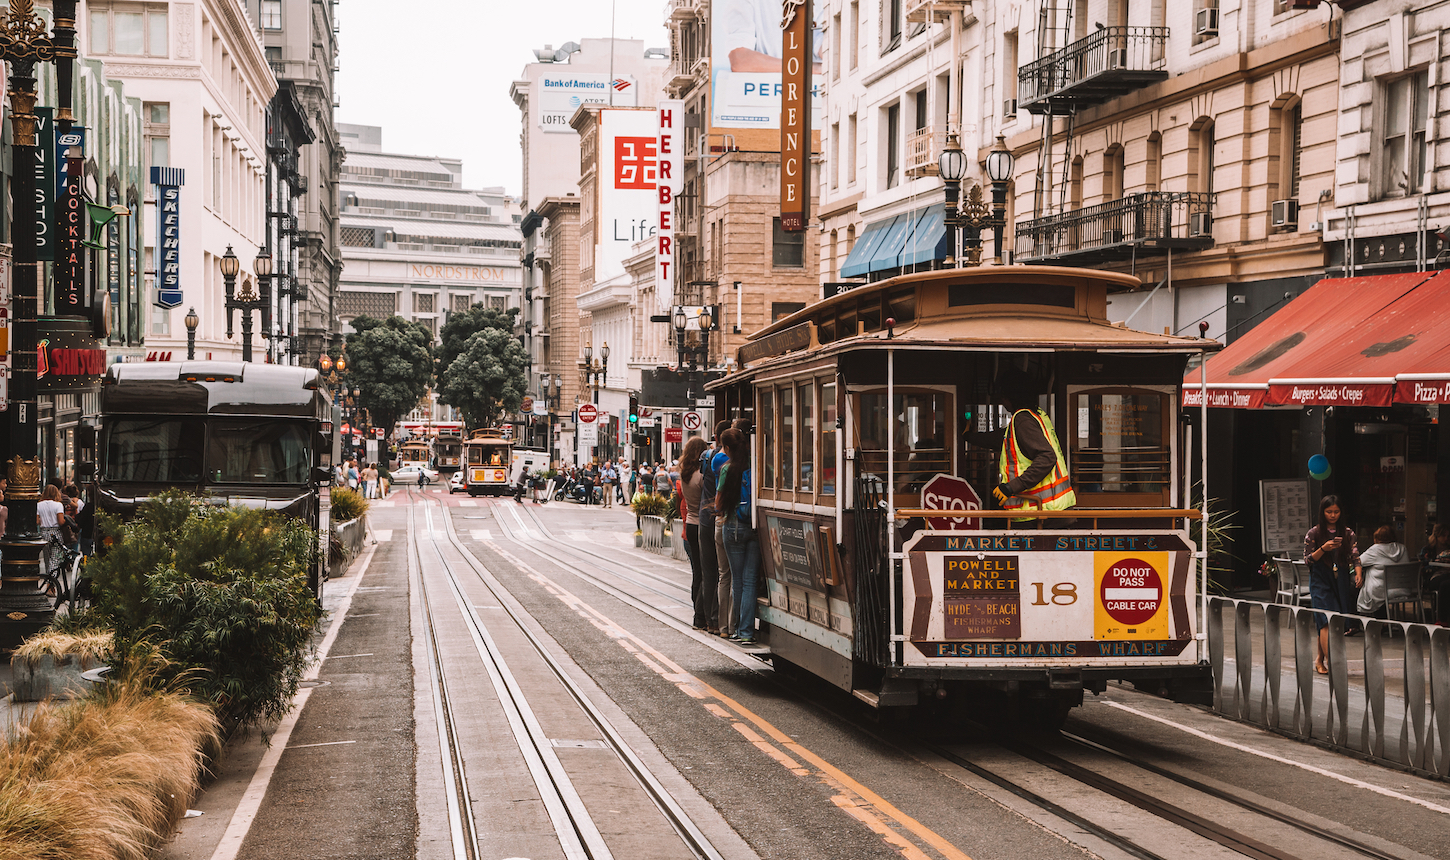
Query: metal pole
[1203, 483]
[246, 330]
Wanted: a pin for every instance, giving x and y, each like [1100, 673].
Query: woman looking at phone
[1335, 574]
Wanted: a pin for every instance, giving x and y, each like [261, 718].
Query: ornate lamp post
[999, 170]
[262, 268]
[953, 166]
[246, 301]
[23, 43]
[595, 370]
[972, 215]
[698, 354]
[191, 323]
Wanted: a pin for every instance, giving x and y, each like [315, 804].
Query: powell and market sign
[168, 182]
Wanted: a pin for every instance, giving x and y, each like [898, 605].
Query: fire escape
[1066, 78]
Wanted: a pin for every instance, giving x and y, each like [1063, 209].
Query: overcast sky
[435, 74]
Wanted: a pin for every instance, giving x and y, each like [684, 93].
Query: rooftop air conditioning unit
[1009, 107]
[1205, 21]
[1200, 224]
[1285, 214]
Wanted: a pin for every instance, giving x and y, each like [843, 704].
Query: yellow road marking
[872, 810]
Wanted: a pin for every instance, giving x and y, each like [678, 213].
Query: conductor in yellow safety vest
[1032, 473]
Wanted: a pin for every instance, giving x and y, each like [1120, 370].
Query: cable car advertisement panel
[1039, 598]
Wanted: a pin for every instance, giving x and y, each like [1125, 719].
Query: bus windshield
[257, 452]
[155, 450]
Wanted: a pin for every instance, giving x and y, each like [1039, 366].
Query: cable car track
[1233, 838]
[579, 836]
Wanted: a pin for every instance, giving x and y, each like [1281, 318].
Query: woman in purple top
[1334, 571]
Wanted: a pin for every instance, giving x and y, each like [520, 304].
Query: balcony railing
[1109, 63]
[918, 10]
[922, 147]
[1140, 224]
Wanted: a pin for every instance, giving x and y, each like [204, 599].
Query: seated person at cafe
[1437, 579]
[1386, 550]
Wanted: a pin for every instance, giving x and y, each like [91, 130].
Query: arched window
[1153, 163]
[1200, 156]
[1113, 167]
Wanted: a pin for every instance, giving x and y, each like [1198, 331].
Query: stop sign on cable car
[950, 493]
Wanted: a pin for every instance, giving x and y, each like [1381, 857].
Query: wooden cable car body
[858, 431]
[487, 459]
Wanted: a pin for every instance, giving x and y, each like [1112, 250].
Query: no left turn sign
[693, 421]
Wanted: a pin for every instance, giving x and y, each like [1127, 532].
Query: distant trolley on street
[882, 573]
[447, 452]
[240, 433]
[488, 456]
[415, 452]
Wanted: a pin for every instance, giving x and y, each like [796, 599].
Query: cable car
[884, 571]
[488, 456]
[415, 452]
[447, 452]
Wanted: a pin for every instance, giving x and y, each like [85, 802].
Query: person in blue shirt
[742, 546]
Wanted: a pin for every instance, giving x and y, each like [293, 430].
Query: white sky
[435, 74]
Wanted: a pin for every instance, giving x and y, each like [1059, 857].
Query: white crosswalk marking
[382, 535]
[580, 535]
[385, 503]
[482, 534]
[467, 503]
[627, 540]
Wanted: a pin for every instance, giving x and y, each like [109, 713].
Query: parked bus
[447, 452]
[488, 457]
[241, 433]
[881, 571]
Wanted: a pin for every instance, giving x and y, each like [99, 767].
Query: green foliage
[391, 362]
[346, 505]
[487, 378]
[453, 338]
[648, 505]
[222, 595]
[1221, 528]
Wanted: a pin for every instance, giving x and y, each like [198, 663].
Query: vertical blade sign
[70, 257]
[168, 182]
[795, 114]
[671, 138]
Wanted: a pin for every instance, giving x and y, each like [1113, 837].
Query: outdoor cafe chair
[1289, 590]
[1301, 579]
[1403, 588]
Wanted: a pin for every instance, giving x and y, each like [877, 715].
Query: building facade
[288, 133]
[300, 40]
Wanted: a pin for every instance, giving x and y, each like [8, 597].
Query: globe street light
[999, 170]
[191, 323]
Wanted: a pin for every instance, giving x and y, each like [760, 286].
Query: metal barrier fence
[351, 534]
[663, 537]
[1394, 708]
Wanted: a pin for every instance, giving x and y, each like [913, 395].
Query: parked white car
[456, 483]
[408, 475]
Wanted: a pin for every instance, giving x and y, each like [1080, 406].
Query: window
[781, 310]
[462, 302]
[920, 439]
[855, 29]
[1120, 445]
[135, 30]
[157, 121]
[154, 451]
[1406, 110]
[1009, 73]
[1200, 156]
[271, 14]
[498, 303]
[1295, 140]
[257, 452]
[1153, 162]
[828, 438]
[851, 150]
[788, 250]
[358, 237]
[767, 438]
[890, 25]
[787, 438]
[893, 146]
[836, 155]
[1113, 168]
[919, 103]
[423, 303]
[806, 396]
[836, 47]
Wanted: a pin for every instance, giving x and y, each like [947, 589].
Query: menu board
[1284, 515]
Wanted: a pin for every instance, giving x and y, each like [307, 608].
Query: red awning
[1368, 341]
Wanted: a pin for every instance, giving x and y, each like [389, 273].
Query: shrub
[647, 505]
[221, 594]
[346, 505]
[103, 777]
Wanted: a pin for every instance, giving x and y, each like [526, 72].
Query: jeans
[709, 598]
[700, 596]
[722, 563]
[743, 547]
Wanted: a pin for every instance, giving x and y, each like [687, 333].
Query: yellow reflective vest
[1053, 492]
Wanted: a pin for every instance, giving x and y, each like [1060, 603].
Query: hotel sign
[795, 114]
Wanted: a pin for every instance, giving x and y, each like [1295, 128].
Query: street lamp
[191, 323]
[953, 166]
[247, 300]
[999, 170]
[262, 268]
[595, 371]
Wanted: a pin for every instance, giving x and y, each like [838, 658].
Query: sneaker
[746, 640]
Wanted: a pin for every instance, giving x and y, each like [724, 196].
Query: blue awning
[858, 262]
[929, 239]
[888, 253]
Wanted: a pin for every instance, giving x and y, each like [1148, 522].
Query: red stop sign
[1131, 591]
[950, 493]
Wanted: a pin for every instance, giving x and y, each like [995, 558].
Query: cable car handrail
[1071, 514]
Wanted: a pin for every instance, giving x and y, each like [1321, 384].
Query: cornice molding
[148, 70]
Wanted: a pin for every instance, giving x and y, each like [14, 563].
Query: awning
[888, 252]
[928, 239]
[858, 262]
[1368, 341]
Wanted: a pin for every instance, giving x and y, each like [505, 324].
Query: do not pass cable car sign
[950, 493]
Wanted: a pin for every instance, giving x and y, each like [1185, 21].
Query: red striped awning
[1368, 341]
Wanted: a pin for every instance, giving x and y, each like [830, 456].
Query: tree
[390, 362]
[461, 326]
[487, 378]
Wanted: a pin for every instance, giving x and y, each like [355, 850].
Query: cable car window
[155, 451]
[787, 439]
[807, 436]
[826, 330]
[828, 438]
[475, 455]
[1052, 295]
[257, 452]
[903, 305]
[1120, 442]
[846, 321]
[920, 437]
[871, 313]
[767, 438]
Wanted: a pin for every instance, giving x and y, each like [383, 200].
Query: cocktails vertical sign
[795, 114]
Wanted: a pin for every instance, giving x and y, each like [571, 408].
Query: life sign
[168, 182]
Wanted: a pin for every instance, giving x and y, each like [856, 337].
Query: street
[504, 680]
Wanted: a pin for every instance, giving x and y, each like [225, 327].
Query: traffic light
[633, 409]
